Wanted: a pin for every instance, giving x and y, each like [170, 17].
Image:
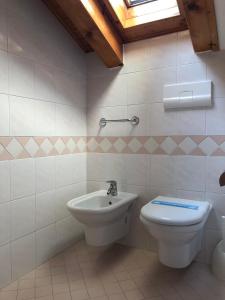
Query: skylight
[130, 3]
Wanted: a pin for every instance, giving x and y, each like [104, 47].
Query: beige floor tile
[80, 295]
[8, 295]
[127, 285]
[26, 294]
[43, 291]
[134, 295]
[63, 296]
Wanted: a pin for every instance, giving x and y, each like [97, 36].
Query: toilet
[177, 225]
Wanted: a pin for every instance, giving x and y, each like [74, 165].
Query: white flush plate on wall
[187, 95]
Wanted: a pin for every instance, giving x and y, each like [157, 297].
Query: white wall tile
[157, 79]
[23, 256]
[215, 67]
[191, 122]
[138, 91]
[22, 216]
[45, 210]
[136, 169]
[136, 56]
[23, 178]
[70, 169]
[70, 120]
[44, 82]
[3, 72]
[103, 167]
[44, 118]
[4, 29]
[161, 122]
[215, 122]
[141, 111]
[215, 167]
[5, 181]
[21, 76]
[65, 194]
[45, 243]
[160, 170]
[5, 265]
[4, 115]
[186, 53]
[163, 51]
[68, 231]
[190, 172]
[191, 72]
[5, 227]
[22, 116]
[45, 174]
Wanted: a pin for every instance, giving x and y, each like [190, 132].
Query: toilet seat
[175, 212]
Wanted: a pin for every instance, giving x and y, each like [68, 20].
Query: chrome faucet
[112, 188]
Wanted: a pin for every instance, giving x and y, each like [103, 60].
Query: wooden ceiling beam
[201, 20]
[87, 17]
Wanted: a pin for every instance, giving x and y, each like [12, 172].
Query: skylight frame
[133, 3]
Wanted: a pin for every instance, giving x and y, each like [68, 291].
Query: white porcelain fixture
[105, 217]
[177, 224]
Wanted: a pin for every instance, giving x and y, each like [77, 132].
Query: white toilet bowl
[177, 225]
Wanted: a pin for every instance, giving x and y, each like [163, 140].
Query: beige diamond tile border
[48, 145]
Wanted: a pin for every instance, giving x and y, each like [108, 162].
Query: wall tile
[4, 115]
[5, 181]
[5, 265]
[21, 76]
[23, 256]
[136, 169]
[161, 122]
[44, 118]
[140, 111]
[136, 56]
[161, 168]
[215, 67]
[45, 174]
[5, 227]
[22, 116]
[138, 91]
[45, 210]
[103, 167]
[45, 243]
[44, 83]
[186, 54]
[3, 72]
[215, 167]
[23, 216]
[190, 173]
[68, 231]
[4, 29]
[163, 51]
[215, 123]
[191, 72]
[23, 178]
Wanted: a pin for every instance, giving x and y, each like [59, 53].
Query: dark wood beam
[94, 27]
[201, 19]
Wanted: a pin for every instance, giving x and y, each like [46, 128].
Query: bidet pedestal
[108, 234]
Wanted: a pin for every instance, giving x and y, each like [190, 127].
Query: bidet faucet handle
[113, 188]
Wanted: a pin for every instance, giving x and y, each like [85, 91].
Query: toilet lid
[175, 211]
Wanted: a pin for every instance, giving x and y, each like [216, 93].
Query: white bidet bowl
[105, 217]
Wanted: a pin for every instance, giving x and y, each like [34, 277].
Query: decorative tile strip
[37, 146]
[197, 145]
[25, 147]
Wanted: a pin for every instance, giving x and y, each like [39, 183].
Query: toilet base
[103, 235]
[179, 255]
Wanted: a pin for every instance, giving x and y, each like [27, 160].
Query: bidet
[106, 218]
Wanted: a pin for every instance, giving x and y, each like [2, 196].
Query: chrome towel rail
[134, 121]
